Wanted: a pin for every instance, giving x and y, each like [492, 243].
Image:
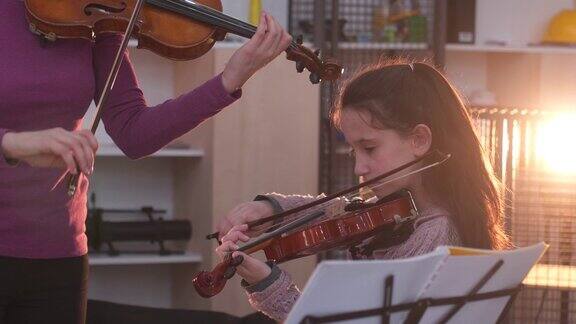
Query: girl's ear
[421, 136]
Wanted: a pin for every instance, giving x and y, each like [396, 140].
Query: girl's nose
[360, 168]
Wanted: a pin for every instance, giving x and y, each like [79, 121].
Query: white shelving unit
[121, 183]
[383, 46]
[113, 151]
[540, 49]
[138, 279]
[522, 73]
[143, 259]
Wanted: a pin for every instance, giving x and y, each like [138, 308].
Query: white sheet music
[344, 286]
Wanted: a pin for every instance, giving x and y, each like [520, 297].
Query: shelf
[133, 43]
[143, 259]
[383, 46]
[113, 151]
[510, 49]
[551, 275]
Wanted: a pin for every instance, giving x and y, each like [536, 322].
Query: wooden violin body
[343, 231]
[168, 34]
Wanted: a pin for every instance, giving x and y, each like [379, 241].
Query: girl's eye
[351, 152]
[369, 149]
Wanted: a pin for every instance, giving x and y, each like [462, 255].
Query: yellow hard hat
[562, 28]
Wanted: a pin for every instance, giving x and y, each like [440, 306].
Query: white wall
[518, 78]
[517, 22]
[240, 9]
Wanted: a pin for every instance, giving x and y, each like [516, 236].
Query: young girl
[390, 114]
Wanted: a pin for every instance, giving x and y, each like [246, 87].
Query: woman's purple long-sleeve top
[52, 85]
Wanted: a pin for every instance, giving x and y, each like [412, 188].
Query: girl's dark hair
[400, 95]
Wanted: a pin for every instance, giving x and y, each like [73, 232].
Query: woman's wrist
[231, 84]
[8, 146]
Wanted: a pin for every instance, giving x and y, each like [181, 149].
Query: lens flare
[554, 144]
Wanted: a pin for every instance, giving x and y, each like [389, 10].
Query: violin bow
[440, 158]
[73, 181]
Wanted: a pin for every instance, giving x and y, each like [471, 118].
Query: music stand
[432, 288]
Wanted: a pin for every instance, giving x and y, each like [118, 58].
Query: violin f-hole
[95, 7]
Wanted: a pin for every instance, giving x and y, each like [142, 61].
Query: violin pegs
[314, 78]
[229, 273]
[300, 66]
[237, 261]
[300, 39]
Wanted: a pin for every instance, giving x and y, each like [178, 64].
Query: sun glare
[554, 143]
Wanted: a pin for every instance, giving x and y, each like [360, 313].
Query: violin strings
[217, 18]
[287, 220]
[214, 17]
[195, 13]
[209, 10]
[216, 13]
[294, 224]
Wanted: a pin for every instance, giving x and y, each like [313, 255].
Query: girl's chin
[384, 192]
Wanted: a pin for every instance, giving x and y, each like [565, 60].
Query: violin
[175, 29]
[343, 232]
[303, 236]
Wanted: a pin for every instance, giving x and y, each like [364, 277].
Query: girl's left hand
[251, 269]
[267, 43]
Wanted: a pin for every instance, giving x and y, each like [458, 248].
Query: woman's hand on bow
[251, 269]
[52, 148]
[267, 43]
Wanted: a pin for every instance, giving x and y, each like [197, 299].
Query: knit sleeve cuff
[273, 202]
[276, 207]
[264, 283]
[277, 299]
[4, 161]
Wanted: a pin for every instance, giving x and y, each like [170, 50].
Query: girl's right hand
[245, 213]
[251, 269]
[52, 148]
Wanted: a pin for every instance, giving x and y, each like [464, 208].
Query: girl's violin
[362, 221]
[176, 29]
[304, 236]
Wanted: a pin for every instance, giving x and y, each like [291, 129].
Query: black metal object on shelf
[154, 229]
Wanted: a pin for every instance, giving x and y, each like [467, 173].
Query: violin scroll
[211, 283]
[305, 58]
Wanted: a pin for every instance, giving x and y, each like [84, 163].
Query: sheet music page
[343, 286]
[464, 268]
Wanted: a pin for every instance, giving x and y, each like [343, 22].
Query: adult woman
[45, 90]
